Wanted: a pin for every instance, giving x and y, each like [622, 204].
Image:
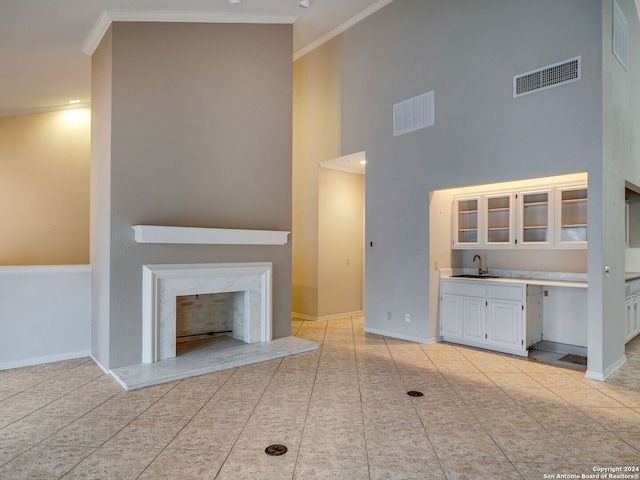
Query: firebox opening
[209, 319]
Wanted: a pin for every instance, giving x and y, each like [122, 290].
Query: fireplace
[163, 285]
[205, 316]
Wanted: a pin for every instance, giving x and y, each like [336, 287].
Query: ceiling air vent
[547, 77]
[620, 35]
[413, 114]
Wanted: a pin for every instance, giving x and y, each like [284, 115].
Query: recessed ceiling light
[304, 3]
[234, 1]
[73, 102]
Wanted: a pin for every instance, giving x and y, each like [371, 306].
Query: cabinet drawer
[506, 292]
[466, 289]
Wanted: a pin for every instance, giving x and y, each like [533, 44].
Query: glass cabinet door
[466, 221]
[536, 214]
[499, 219]
[572, 218]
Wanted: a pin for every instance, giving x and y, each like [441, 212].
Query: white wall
[45, 314]
[340, 243]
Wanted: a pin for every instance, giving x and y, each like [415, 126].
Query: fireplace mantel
[208, 236]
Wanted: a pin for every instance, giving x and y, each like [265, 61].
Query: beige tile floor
[342, 412]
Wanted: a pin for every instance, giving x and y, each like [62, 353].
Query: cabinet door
[498, 213]
[473, 327]
[451, 311]
[571, 217]
[635, 319]
[535, 226]
[504, 323]
[629, 319]
[466, 222]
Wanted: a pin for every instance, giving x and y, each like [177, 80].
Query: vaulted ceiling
[41, 59]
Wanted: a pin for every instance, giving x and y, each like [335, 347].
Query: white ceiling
[42, 66]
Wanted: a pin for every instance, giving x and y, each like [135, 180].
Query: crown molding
[108, 16]
[97, 32]
[341, 28]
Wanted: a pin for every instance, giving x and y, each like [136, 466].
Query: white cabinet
[553, 216]
[571, 216]
[466, 226]
[504, 327]
[498, 213]
[485, 221]
[535, 215]
[503, 316]
[473, 318]
[451, 315]
[632, 307]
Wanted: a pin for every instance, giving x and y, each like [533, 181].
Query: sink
[473, 276]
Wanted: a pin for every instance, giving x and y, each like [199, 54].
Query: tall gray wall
[621, 161]
[200, 137]
[467, 52]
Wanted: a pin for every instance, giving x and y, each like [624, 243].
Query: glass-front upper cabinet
[466, 222]
[571, 216]
[536, 218]
[498, 224]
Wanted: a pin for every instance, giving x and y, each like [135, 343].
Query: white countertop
[631, 276]
[549, 279]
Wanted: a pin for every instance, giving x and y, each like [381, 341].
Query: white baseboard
[109, 372]
[102, 367]
[301, 316]
[608, 372]
[40, 360]
[400, 336]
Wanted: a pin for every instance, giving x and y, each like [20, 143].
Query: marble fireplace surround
[161, 284]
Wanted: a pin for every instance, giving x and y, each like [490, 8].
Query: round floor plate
[414, 393]
[275, 450]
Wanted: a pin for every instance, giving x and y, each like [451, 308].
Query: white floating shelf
[208, 236]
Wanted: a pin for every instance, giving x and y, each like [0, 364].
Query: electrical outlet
[348, 261]
[407, 317]
[389, 315]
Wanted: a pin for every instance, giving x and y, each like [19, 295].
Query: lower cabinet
[500, 316]
[504, 327]
[632, 316]
[474, 318]
[451, 315]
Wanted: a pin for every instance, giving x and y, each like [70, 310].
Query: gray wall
[100, 198]
[621, 161]
[467, 52]
[201, 137]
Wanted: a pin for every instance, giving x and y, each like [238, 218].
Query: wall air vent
[413, 114]
[620, 35]
[547, 77]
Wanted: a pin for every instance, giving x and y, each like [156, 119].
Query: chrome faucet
[481, 271]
